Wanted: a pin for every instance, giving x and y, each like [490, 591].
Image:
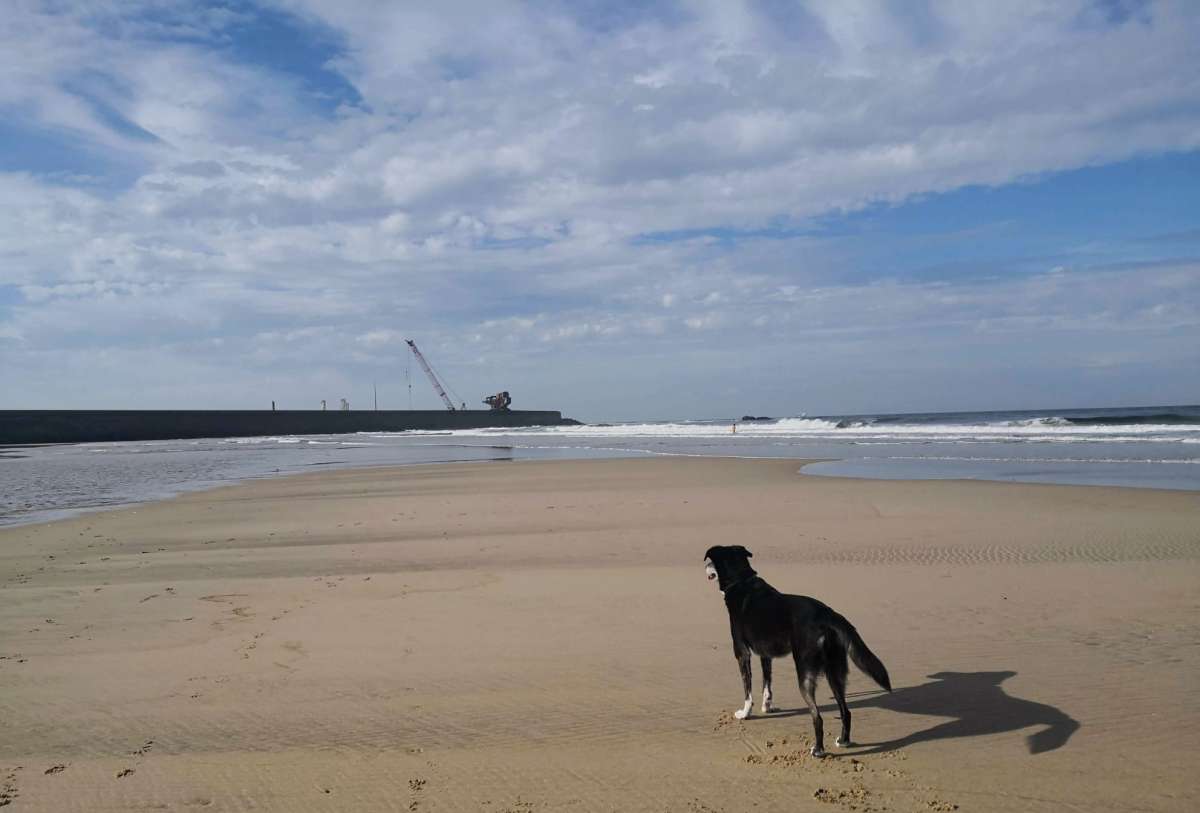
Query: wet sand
[540, 636]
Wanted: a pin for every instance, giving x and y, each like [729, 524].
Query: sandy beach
[540, 636]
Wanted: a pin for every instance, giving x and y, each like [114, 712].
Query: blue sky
[621, 210]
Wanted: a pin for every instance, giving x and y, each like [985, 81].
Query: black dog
[772, 624]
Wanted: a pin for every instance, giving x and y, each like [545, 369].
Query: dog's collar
[725, 590]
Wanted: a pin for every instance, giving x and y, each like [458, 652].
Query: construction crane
[433, 379]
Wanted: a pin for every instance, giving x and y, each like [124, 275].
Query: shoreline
[181, 489]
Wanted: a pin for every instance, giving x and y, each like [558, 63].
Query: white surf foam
[1048, 430]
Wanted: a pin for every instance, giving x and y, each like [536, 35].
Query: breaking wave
[1155, 425]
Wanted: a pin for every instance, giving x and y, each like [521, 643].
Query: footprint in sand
[251, 645]
[855, 798]
[8, 790]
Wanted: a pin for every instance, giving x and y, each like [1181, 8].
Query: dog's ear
[741, 549]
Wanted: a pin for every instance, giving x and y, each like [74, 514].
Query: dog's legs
[808, 690]
[765, 660]
[836, 672]
[743, 657]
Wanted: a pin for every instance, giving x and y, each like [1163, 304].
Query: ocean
[1142, 447]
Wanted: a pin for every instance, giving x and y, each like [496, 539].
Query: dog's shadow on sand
[978, 706]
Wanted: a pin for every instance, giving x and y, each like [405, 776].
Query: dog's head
[727, 564]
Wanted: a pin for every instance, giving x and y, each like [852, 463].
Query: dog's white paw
[744, 711]
[767, 708]
[843, 743]
[818, 752]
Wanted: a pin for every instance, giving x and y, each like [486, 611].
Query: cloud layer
[612, 209]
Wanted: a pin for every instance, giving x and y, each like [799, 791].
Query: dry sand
[540, 636]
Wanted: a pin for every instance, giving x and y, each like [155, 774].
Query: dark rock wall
[91, 426]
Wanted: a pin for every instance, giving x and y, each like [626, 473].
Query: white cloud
[375, 339]
[506, 157]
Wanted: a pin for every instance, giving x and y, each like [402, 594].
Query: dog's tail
[859, 652]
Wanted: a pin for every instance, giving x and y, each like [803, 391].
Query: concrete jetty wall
[91, 426]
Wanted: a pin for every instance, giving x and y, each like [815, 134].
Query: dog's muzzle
[709, 570]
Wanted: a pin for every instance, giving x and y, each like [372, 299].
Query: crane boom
[433, 379]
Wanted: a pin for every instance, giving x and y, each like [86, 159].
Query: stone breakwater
[93, 426]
